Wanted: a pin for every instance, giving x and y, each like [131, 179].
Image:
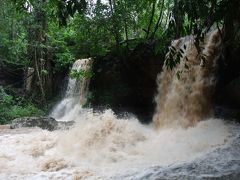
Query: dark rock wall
[228, 88]
[126, 81]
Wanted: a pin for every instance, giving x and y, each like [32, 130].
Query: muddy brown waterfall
[185, 92]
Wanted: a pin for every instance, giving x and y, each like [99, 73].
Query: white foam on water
[101, 146]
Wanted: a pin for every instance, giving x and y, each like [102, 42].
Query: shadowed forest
[128, 41]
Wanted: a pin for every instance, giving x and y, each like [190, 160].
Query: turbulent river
[184, 141]
[101, 146]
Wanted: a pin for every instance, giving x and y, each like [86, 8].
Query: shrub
[28, 110]
[13, 107]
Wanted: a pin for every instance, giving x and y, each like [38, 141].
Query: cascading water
[75, 95]
[185, 92]
[101, 146]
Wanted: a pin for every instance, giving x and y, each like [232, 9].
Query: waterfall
[76, 94]
[101, 145]
[185, 92]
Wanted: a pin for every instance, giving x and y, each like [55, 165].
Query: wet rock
[47, 123]
[126, 80]
[230, 94]
[227, 113]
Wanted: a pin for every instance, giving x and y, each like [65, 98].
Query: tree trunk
[114, 22]
[151, 19]
[159, 21]
[178, 16]
[38, 52]
[125, 24]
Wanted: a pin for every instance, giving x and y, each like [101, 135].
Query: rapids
[183, 142]
[100, 146]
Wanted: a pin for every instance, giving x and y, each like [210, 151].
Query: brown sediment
[186, 99]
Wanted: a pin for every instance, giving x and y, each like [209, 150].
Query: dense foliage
[12, 107]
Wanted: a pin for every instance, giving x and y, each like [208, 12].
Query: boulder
[233, 93]
[227, 113]
[229, 95]
[47, 123]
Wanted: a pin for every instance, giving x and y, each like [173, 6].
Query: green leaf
[44, 72]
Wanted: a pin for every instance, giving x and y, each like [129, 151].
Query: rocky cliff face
[228, 89]
[126, 80]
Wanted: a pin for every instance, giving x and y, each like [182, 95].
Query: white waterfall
[76, 94]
